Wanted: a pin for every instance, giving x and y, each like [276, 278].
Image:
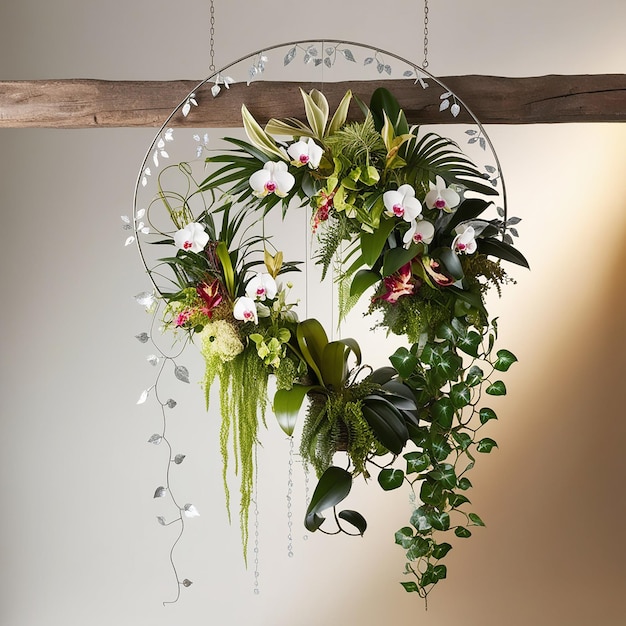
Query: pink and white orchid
[305, 152]
[441, 197]
[402, 203]
[262, 287]
[245, 310]
[192, 238]
[420, 231]
[273, 178]
[465, 241]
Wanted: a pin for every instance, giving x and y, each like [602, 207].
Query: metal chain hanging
[425, 61]
[211, 40]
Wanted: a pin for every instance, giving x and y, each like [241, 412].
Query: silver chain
[212, 41]
[425, 61]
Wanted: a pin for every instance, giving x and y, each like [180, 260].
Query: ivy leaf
[444, 475]
[505, 360]
[476, 519]
[441, 549]
[465, 483]
[404, 362]
[389, 478]
[486, 445]
[474, 376]
[462, 532]
[443, 412]
[440, 448]
[432, 493]
[419, 547]
[496, 389]
[463, 439]
[440, 520]
[410, 586]
[460, 395]
[404, 537]
[416, 462]
[487, 414]
[470, 343]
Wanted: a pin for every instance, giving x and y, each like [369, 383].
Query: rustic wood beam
[89, 103]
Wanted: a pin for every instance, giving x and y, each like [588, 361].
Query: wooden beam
[89, 103]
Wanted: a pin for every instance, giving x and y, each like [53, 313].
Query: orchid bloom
[305, 152]
[465, 241]
[245, 310]
[398, 284]
[191, 238]
[273, 178]
[402, 203]
[441, 197]
[420, 231]
[261, 287]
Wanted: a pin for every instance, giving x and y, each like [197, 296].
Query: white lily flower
[402, 203]
[273, 178]
[262, 287]
[464, 242]
[192, 238]
[305, 152]
[441, 197]
[245, 310]
[420, 231]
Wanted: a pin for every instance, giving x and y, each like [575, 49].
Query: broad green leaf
[440, 571]
[440, 520]
[372, 244]
[416, 462]
[462, 532]
[502, 250]
[396, 258]
[470, 343]
[476, 520]
[419, 547]
[487, 414]
[448, 365]
[463, 439]
[465, 484]
[474, 376]
[355, 519]
[386, 423]
[333, 486]
[312, 339]
[443, 412]
[504, 361]
[444, 475]
[341, 114]
[441, 549]
[258, 136]
[457, 499]
[450, 260]
[227, 268]
[460, 395]
[404, 361]
[496, 389]
[404, 537]
[389, 478]
[333, 365]
[486, 445]
[286, 406]
[362, 281]
[440, 448]
[445, 331]
[431, 492]
[316, 109]
[410, 586]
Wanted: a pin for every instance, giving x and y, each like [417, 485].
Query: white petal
[129, 240]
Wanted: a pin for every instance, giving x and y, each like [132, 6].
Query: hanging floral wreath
[398, 212]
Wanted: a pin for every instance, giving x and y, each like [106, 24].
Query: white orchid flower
[465, 241]
[305, 152]
[262, 287]
[441, 197]
[245, 310]
[402, 203]
[420, 231]
[192, 238]
[273, 178]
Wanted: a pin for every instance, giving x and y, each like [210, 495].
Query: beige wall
[78, 539]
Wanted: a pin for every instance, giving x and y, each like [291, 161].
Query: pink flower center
[460, 246]
[398, 210]
[187, 245]
[270, 186]
[260, 291]
[417, 238]
[440, 203]
[248, 315]
[304, 158]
